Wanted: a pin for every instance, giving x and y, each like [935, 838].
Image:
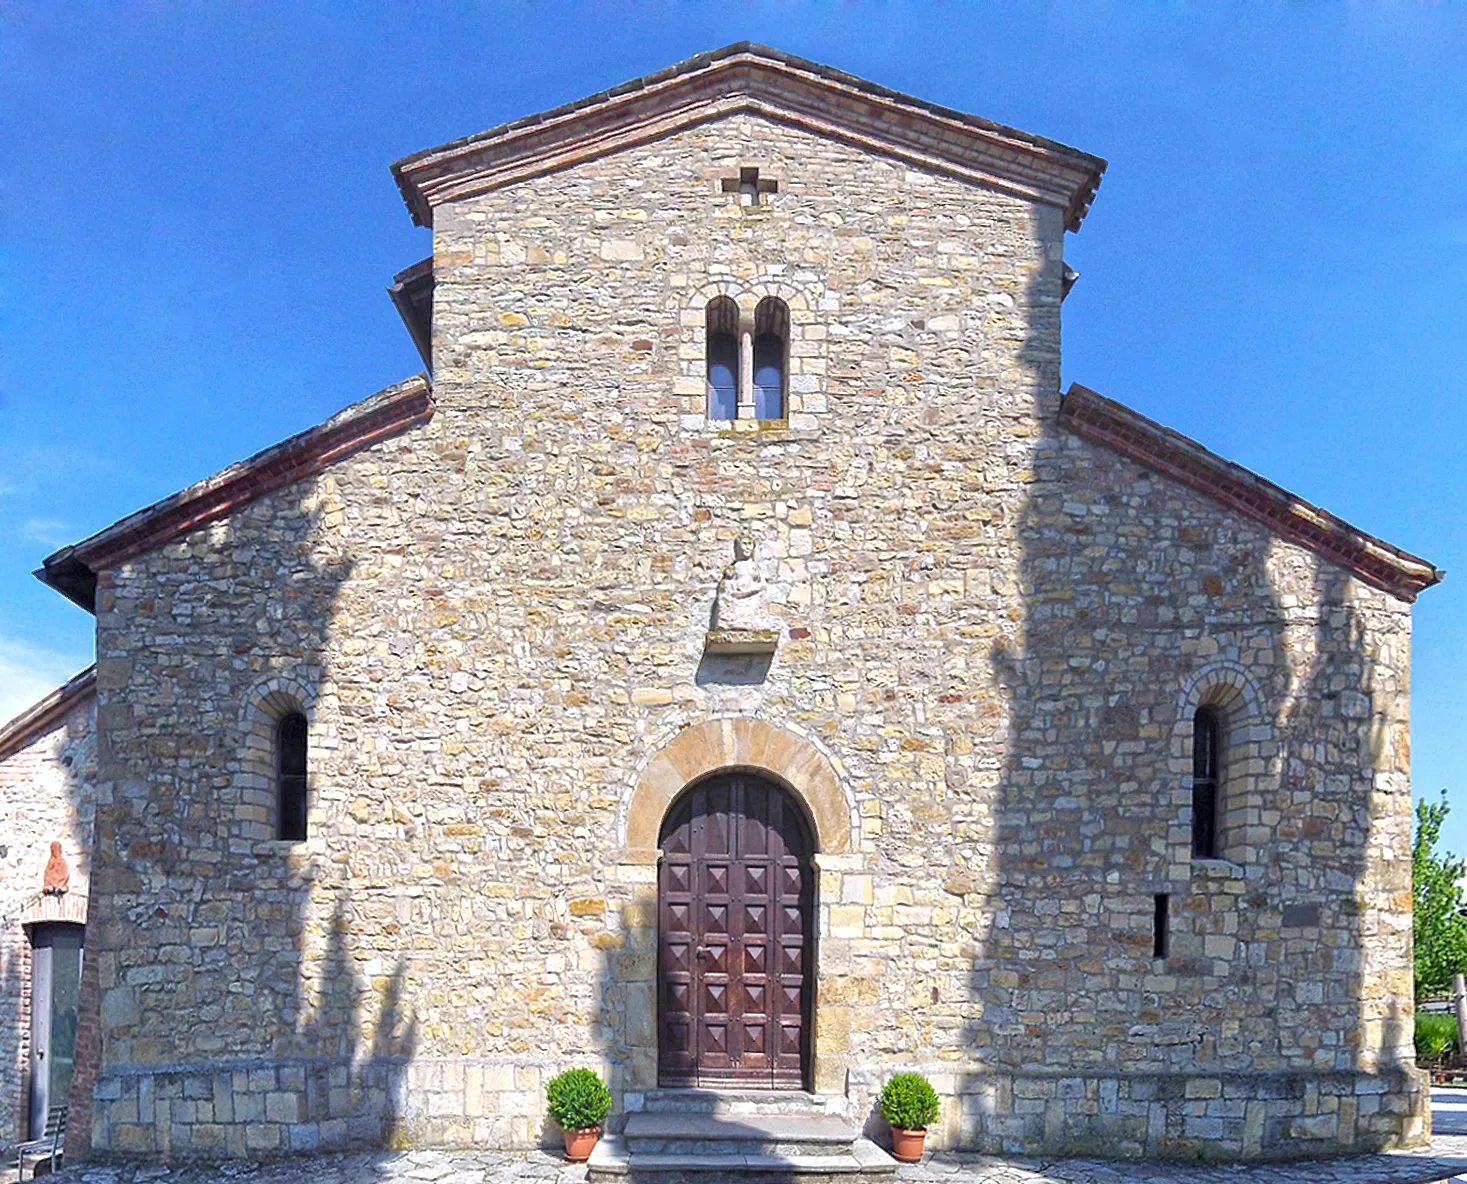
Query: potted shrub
[579, 1102]
[910, 1104]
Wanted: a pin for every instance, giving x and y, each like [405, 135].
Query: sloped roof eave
[749, 76]
[42, 715]
[411, 292]
[73, 570]
[1094, 417]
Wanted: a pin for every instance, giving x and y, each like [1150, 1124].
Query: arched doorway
[736, 929]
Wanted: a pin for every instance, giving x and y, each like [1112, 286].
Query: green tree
[1438, 925]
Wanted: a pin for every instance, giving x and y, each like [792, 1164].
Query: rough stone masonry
[999, 612]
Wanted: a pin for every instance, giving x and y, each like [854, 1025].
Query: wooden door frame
[42, 980]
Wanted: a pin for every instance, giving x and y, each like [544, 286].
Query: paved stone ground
[1445, 1160]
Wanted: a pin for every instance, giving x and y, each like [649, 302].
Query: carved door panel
[735, 924]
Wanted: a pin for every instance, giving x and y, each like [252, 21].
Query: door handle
[701, 952]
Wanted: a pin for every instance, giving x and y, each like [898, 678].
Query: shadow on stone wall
[356, 1042]
[1356, 700]
[345, 1040]
[1080, 1040]
[268, 1014]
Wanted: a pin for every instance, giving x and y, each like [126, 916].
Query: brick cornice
[1174, 455]
[73, 570]
[778, 86]
[41, 716]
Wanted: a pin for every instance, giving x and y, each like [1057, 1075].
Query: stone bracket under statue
[741, 621]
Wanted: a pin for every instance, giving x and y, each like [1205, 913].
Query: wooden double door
[735, 937]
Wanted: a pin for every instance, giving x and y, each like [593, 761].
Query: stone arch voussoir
[737, 743]
[1250, 754]
[1227, 686]
[268, 702]
[747, 294]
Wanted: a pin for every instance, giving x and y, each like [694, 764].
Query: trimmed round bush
[577, 1100]
[909, 1102]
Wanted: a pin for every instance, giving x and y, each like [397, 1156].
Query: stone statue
[57, 877]
[743, 596]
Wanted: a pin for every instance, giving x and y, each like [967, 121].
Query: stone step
[667, 1133]
[739, 1101]
[861, 1162]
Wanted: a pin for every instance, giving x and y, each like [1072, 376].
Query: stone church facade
[738, 666]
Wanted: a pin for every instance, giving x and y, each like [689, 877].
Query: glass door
[56, 953]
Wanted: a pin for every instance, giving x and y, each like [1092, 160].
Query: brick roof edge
[747, 75]
[40, 716]
[1094, 417]
[73, 570]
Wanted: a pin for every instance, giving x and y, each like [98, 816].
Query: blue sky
[197, 222]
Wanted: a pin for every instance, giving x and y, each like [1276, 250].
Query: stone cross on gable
[749, 186]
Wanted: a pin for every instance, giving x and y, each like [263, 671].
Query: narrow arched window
[290, 777]
[1206, 778]
[722, 325]
[771, 354]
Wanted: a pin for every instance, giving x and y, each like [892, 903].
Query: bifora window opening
[290, 758]
[771, 351]
[1206, 770]
[722, 324]
[747, 360]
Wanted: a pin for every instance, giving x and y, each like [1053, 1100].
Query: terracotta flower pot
[906, 1146]
[580, 1144]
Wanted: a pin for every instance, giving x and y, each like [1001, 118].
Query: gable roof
[41, 716]
[73, 570]
[1130, 433]
[780, 86]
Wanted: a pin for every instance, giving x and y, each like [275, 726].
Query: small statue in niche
[57, 877]
[743, 596]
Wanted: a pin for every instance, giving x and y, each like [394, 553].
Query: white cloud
[49, 532]
[29, 672]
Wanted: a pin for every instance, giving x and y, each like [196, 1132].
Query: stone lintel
[741, 641]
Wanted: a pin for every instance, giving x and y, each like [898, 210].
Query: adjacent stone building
[48, 800]
[738, 666]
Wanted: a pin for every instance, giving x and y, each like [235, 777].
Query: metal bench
[48, 1147]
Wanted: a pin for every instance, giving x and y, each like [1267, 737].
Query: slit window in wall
[722, 324]
[1206, 774]
[290, 760]
[1160, 926]
[771, 357]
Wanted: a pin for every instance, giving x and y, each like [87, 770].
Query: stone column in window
[746, 375]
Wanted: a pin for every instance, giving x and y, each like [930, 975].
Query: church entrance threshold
[736, 895]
